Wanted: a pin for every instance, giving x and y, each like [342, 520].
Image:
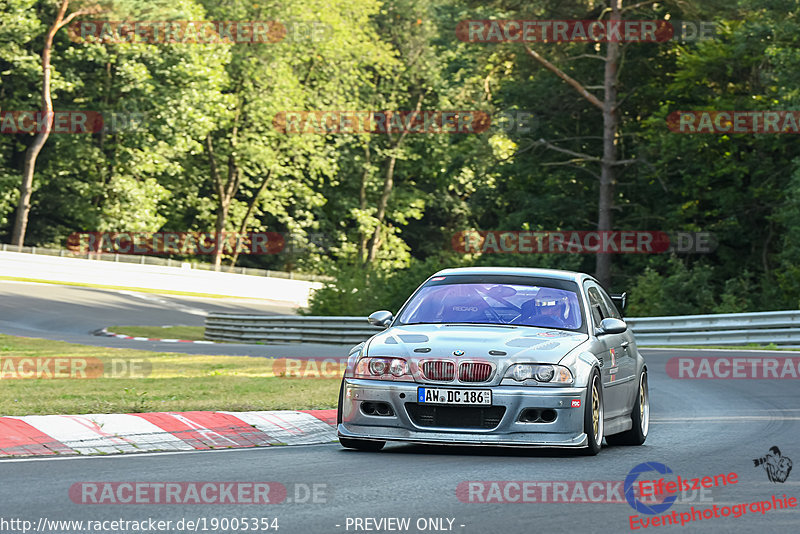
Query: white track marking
[289, 427]
[105, 433]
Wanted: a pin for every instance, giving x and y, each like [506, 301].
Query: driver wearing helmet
[547, 309]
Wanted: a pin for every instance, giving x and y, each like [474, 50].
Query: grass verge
[176, 382]
[192, 333]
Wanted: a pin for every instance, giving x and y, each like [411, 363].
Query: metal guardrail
[779, 327]
[287, 328]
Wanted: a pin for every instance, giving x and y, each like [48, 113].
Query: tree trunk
[29, 165]
[608, 169]
[246, 219]
[225, 191]
[609, 107]
[362, 204]
[388, 184]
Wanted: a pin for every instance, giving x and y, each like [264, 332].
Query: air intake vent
[455, 416]
[474, 372]
[439, 370]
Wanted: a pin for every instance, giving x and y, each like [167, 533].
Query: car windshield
[502, 304]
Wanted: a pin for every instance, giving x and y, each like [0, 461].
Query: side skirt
[617, 425]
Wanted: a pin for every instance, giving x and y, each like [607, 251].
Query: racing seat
[464, 309]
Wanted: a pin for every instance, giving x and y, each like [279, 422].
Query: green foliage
[359, 290]
[678, 291]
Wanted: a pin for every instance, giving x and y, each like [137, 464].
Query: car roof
[518, 271]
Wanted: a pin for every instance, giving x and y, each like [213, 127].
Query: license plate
[454, 396]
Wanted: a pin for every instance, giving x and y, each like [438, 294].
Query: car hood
[520, 343]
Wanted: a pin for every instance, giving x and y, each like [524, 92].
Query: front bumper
[565, 431]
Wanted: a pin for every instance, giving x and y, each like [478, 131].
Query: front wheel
[362, 444]
[593, 415]
[640, 417]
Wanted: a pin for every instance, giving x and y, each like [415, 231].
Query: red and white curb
[105, 332]
[47, 435]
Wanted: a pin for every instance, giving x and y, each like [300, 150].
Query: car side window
[608, 307]
[595, 304]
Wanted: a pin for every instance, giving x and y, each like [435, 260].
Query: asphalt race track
[699, 428]
[68, 313]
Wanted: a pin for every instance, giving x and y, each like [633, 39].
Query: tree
[318, 65]
[26, 188]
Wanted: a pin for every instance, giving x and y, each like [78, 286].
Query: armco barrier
[780, 327]
[287, 328]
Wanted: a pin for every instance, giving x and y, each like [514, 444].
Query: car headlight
[383, 369]
[556, 374]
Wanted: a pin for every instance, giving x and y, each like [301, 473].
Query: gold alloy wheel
[644, 405]
[595, 411]
[641, 403]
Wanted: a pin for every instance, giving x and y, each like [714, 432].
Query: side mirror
[380, 318]
[620, 301]
[611, 326]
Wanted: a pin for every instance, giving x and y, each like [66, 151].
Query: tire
[593, 415]
[640, 416]
[362, 444]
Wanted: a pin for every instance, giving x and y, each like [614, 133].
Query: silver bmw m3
[501, 357]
